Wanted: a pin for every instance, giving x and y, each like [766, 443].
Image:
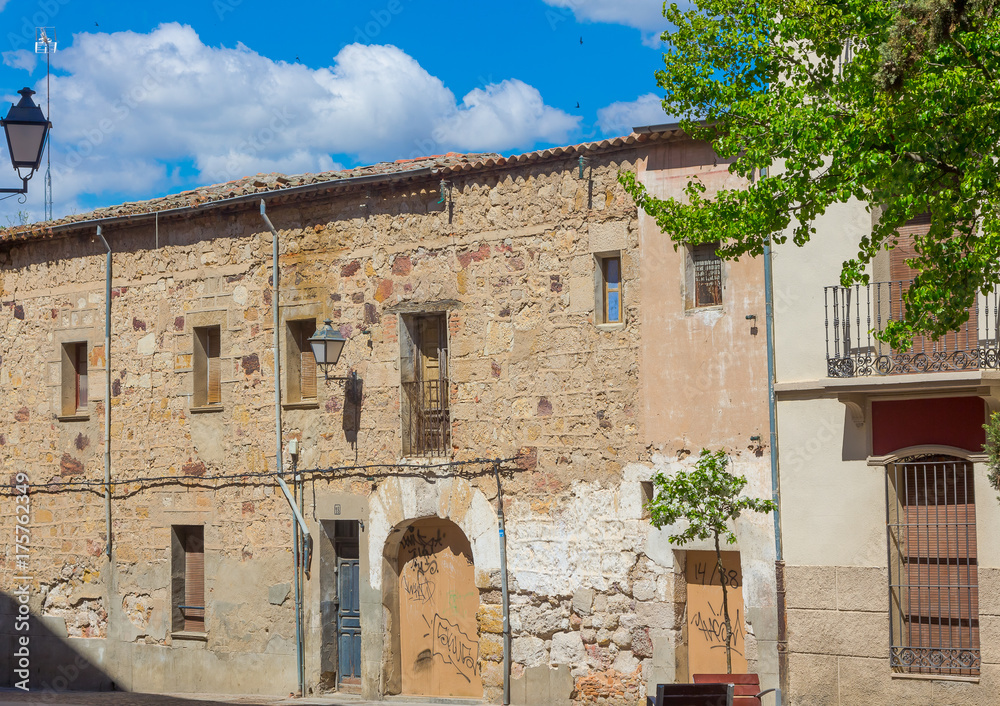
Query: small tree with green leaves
[708, 499]
[992, 449]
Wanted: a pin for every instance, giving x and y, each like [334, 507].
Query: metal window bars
[933, 571]
[707, 276]
[853, 315]
[428, 426]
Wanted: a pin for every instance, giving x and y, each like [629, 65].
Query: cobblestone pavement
[12, 697]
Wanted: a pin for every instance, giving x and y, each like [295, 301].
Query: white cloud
[510, 113]
[644, 15]
[619, 118]
[127, 107]
[20, 58]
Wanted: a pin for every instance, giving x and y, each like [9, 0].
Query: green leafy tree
[895, 103]
[992, 449]
[708, 499]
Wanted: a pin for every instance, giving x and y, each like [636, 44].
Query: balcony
[855, 314]
[426, 420]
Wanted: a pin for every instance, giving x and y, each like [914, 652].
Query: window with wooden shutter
[74, 389]
[933, 567]
[207, 366]
[610, 305]
[426, 419]
[214, 366]
[188, 588]
[300, 368]
[81, 375]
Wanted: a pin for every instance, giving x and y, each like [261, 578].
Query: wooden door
[438, 602]
[349, 623]
[706, 621]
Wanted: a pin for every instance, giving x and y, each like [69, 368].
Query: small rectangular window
[704, 277]
[207, 366]
[609, 289]
[611, 270]
[188, 578]
[75, 394]
[300, 380]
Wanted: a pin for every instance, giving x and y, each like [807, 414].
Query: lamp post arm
[22, 190]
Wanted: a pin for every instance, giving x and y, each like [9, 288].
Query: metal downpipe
[107, 394]
[779, 563]
[505, 597]
[300, 523]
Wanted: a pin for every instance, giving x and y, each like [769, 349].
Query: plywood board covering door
[706, 626]
[438, 602]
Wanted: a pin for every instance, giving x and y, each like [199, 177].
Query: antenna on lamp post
[45, 43]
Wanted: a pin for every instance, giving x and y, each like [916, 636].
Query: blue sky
[155, 98]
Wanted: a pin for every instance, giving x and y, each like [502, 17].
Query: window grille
[707, 275]
[426, 417]
[933, 573]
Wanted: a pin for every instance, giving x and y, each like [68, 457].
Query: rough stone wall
[529, 372]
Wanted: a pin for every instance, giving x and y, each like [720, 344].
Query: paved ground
[15, 697]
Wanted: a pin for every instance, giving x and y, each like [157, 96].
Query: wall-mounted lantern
[26, 128]
[327, 345]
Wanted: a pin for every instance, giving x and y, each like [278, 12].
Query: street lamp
[26, 128]
[327, 345]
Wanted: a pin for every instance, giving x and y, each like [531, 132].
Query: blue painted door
[349, 622]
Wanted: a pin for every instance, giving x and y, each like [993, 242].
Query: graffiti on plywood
[454, 646]
[438, 601]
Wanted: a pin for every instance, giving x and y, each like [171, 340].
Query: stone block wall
[510, 257]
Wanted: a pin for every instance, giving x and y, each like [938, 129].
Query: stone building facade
[513, 323]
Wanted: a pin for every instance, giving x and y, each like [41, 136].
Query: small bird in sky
[96, 25]
[296, 59]
[581, 40]
[578, 104]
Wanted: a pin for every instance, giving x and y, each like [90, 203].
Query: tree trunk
[725, 607]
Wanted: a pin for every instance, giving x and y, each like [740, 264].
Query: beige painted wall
[833, 503]
[704, 370]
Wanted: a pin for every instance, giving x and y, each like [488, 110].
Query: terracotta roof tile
[273, 184]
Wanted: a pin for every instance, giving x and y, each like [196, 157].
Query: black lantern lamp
[26, 128]
[327, 345]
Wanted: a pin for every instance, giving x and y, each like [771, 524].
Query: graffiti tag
[454, 646]
[713, 628]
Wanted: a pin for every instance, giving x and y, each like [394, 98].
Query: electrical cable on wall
[339, 472]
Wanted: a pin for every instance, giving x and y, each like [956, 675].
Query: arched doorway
[438, 602]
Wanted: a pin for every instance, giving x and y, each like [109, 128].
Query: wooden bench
[707, 690]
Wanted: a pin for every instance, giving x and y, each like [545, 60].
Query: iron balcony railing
[855, 314]
[427, 422]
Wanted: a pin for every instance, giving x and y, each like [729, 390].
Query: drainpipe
[779, 563]
[505, 597]
[107, 394]
[299, 520]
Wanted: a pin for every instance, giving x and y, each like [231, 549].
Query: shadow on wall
[56, 665]
[49, 662]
